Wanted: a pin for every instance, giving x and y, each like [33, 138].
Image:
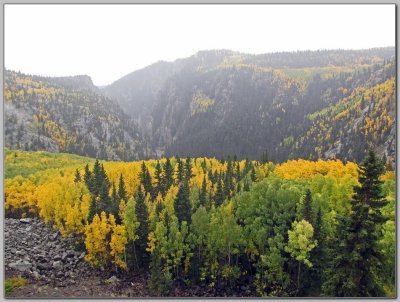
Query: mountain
[308, 104]
[68, 114]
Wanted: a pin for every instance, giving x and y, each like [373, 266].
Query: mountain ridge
[224, 103]
[298, 70]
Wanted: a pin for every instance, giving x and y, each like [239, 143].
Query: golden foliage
[304, 169]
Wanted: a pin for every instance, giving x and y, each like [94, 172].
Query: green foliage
[143, 227]
[11, 283]
[307, 211]
[201, 103]
[267, 235]
[130, 220]
[121, 189]
[30, 163]
[357, 260]
[168, 175]
[146, 181]
[182, 204]
[67, 115]
[301, 241]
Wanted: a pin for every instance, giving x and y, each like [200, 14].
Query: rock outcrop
[37, 251]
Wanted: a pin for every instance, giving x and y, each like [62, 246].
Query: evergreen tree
[318, 254]
[354, 269]
[92, 209]
[203, 193]
[87, 177]
[239, 188]
[253, 174]
[188, 169]
[114, 196]
[114, 204]
[182, 206]
[143, 229]
[121, 189]
[229, 186]
[219, 194]
[97, 179]
[103, 176]
[145, 179]
[307, 210]
[238, 174]
[180, 171]
[159, 180]
[104, 199]
[246, 186]
[156, 281]
[168, 175]
[247, 166]
[159, 208]
[210, 176]
[204, 165]
[77, 177]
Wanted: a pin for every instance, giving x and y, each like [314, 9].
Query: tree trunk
[134, 252]
[229, 254]
[298, 279]
[198, 268]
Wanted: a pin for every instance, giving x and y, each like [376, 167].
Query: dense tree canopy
[294, 229]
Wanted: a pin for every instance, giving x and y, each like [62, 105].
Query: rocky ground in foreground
[53, 267]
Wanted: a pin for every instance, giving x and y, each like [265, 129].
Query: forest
[299, 228]
[311, 105]
[67, 115]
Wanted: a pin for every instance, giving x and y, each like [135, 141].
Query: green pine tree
[203, 193]
[142, 230]
[307, 210]
[188, 169]
[114, 203]
[168, 175]
[122, 189]
[253, 174]
[180, 171]
[145, 179]
[77, 177]
[159, 188]
[219, 196]
[246, 186]
[182, 206]
[356, 261]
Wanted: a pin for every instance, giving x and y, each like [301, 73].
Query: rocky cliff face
[311, 104]
[68, 115]
[220, 103]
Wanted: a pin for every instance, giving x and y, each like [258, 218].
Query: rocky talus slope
[35, 250]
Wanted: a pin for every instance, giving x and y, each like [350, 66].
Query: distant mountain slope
[67, 115]
[219, 103]
[366, 117]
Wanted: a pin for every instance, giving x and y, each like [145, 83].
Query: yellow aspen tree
[96, 241]
[117, 245]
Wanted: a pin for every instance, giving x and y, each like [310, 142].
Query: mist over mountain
[220, 103]
[306, 104]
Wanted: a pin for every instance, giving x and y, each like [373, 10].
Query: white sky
[107, 42]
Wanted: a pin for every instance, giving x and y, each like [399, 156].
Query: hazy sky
[110, 41]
